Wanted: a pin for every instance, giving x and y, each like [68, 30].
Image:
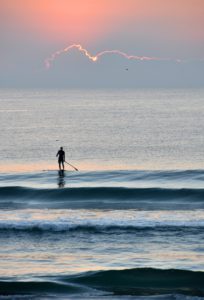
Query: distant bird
[126, 69]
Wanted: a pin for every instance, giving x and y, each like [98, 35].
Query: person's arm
[64, 156]
[57, 154]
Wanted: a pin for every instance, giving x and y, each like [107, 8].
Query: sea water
[130, 223]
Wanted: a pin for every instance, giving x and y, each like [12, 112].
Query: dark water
[102, 235]
[131, 282]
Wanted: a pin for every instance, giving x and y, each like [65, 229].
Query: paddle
[71, 166]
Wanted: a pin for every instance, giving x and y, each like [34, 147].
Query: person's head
[61, 148]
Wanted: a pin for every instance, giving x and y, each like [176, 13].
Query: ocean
[130, 223]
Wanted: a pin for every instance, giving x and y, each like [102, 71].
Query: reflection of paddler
[61, 158]
[61, 181]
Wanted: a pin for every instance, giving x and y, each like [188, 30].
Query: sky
[123, 43]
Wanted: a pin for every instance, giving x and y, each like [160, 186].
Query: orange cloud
[94, 58]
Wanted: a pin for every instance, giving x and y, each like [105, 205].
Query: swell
[91, 193]
[142, 282]
[116, 175]
[33, 227]
[145, 281]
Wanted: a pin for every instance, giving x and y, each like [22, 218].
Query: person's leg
[63, 165]
[59, 165]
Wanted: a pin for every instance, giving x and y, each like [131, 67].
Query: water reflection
[61, 179]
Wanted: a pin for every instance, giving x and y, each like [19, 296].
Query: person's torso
[61, 154]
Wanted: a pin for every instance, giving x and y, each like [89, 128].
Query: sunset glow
[37, 31]
[89, 21]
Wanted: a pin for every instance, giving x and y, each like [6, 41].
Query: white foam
[59, 220]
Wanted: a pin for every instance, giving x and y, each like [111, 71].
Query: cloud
[114, 33]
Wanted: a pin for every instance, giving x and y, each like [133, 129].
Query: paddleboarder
[61, 158]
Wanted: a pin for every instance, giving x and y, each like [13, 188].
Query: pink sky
[31, 30]
[83, 20]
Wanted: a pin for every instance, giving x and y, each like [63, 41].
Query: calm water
[153, 129]
[130, 223]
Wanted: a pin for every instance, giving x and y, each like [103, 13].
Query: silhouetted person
[61, 158]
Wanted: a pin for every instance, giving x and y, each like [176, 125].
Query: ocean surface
[130, 223]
